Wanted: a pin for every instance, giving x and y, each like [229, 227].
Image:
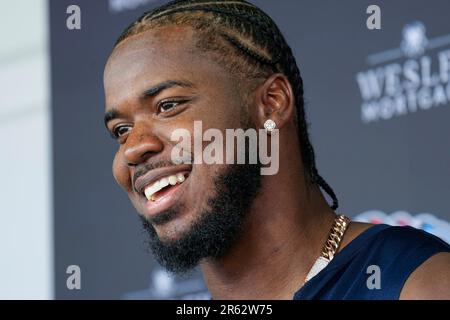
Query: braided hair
[251, 44]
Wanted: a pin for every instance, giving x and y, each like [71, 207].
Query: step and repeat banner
[378, 100]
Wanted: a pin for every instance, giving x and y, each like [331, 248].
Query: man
[226, 64]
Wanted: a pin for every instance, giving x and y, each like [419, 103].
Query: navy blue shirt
[396, 251]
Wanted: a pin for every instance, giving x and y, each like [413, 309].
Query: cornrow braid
[246, 50]
[255, 37]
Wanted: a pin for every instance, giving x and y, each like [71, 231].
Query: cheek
[121, 172]
[205, 181]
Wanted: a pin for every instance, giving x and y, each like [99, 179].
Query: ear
[274, 99]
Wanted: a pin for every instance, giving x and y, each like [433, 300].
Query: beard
[217, 227]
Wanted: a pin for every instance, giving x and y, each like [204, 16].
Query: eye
[166, 106]
[120, 130]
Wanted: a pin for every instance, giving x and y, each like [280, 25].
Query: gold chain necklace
[331, 246]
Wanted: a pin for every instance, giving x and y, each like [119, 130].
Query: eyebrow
[151, 92]
[111, 115]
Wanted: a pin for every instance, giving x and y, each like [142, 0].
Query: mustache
[146, 167]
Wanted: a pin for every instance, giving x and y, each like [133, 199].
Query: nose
[141, 144]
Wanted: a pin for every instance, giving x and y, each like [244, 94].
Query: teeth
[173, 180]
[162, 183]
[150, 190]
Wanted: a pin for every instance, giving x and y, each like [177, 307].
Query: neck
[283, 235]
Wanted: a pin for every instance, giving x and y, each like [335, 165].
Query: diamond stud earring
[270, 125]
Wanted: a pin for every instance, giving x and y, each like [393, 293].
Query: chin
[175, 224]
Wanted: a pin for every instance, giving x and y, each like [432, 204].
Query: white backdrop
[26, 250]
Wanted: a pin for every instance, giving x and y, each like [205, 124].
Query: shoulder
[408, 239]
[420, 262]
[379, 261]
[413, 264]
[431, 280]
[393, 239]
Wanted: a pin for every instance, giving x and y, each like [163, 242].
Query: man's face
[199, 89]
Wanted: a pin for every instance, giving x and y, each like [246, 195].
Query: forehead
[154, 56]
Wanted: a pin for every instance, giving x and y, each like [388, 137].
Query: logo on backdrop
[411, 78]
[116, 6]
[423, 221]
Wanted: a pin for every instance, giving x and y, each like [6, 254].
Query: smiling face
[156, 82]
